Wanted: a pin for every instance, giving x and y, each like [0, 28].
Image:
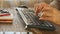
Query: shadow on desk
[38, 31]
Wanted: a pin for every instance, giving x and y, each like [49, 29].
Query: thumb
[42, 18]
[46, 18]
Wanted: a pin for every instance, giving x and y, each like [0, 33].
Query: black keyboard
[32, 21]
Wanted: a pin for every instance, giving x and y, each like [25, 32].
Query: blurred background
[14, 3]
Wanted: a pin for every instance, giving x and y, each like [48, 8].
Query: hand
[49, 13]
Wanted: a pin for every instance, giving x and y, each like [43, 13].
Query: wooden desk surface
[15, 26]
[18, 26]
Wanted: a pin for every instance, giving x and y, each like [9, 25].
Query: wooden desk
[18, 26]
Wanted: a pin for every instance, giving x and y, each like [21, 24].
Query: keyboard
[32, 21]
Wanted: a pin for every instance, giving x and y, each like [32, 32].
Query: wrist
[57, 18]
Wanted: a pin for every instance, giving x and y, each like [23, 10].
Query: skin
[49, 13]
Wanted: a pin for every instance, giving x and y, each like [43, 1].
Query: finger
[42, 18]
[46, 18]
[35, 6]
[42, 7]
[47, 9]
[46, 14]
[38, 8]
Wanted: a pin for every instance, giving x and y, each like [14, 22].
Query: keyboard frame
[28, 26]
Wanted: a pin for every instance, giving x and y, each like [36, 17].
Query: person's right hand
[49, 13]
